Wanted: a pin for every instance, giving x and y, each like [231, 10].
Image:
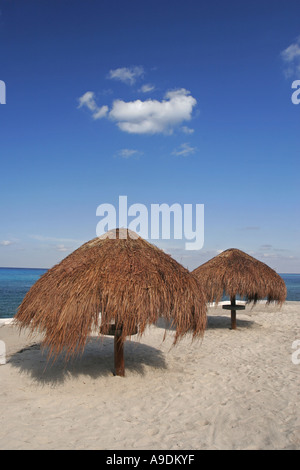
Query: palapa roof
[234, 272]
[128, 280]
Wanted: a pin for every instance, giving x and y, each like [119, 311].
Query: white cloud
[292, 52]
[101, 112]
[291, 58]
[187, 130]
[88, 100]
[6, 243]
[147, 88]
[127, 153]
[43, 238]
[184, 150]
[145, 117]
[62, 248]
[153, 116]
[127, 75]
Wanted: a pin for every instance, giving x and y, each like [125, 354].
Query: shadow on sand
[220, 321]
[96, 360]
[213, 322]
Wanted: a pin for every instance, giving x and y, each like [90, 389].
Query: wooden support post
[233, 314]
[119, 355]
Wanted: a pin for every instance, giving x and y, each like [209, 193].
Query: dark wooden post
[119, 354]
[233, 314]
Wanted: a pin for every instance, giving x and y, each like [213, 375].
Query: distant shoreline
[35, 269]
[47, 269]
[9, 320]
[16, 282]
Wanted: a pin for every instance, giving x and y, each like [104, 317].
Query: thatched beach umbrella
[118, 283]
[234, 272]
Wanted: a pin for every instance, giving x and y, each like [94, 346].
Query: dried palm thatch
[129, 281]
[233, 273]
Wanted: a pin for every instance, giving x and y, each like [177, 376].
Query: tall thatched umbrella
[234, 272]
[130, 282]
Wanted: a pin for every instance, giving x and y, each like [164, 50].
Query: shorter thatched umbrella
[130, 282]
[234, 272]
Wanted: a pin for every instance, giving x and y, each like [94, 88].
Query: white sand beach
[232, 390]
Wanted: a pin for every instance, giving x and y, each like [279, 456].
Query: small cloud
[153, 116]
[184, 150]
[127, 75]
[291, 58]
[187, 130]
[128, 153]
[62, 248]
[266, 247]
[269, 255]
[43, 238]
[147, 88]
[88, 100]
[100, 113]
[6, 243]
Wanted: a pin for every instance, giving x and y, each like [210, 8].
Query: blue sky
[183, 102]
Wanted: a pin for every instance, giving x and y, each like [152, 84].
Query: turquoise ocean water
[16, 282]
